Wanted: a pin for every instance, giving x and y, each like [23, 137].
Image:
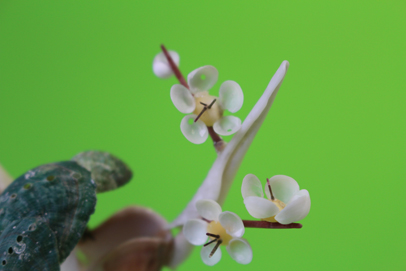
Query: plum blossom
[222, 228]
[285, 203]
[207, 109]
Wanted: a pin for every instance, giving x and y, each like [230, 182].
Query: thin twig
[174, 68]
[215, 247]
[213, 235]
[201, 113]
[214, 240]
[270, 225]
[216, 138]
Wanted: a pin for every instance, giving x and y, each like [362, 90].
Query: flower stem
[270, 225]
[174, 68]
[218, 142]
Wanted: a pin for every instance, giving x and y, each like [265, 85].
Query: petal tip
[160, 65]
[202, 79]
[195, 132]
[227, 125]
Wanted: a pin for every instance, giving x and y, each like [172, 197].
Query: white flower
[206, 108]
[221, 175]
[222, 228]
[160, 65]
[285, 203]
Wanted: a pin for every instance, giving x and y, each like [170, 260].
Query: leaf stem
[270, 225]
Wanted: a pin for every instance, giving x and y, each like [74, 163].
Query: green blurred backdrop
[77, 75]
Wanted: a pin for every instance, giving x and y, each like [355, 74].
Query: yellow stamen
[210, 116]
[280, 206]
[215, 228]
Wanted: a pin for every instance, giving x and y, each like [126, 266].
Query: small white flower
[221, 175]
[208, 109]
[160, 65]
[222, 228]
[285, 203]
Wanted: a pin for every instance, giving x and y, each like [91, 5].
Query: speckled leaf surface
[28, 249]
[58, 197]
[107, 171]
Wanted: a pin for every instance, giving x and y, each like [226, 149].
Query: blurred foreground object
[44, 212]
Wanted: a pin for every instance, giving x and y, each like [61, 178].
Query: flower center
[277, 202]
[215, 228]
[217, 234]
[209, 112]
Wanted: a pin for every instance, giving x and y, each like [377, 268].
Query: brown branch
[270, 225]
[174, 68]
[218, 142]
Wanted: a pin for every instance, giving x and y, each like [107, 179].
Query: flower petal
[205, 253]
[194, 231]
[208, 209]
[195, 132]
[227, 125]
[283, 188]
[260, 207]
[160, 65]
[240, 250]
[232, 223]
[296, 209]
[251, 186]
[202, 78]
[231, 96]
[182, 99]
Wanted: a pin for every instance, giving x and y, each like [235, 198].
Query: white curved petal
[240, 250]
[251, 186]
[205, 254]
[160, 65]
[283, 188]
[231, 96]
[296, 209]
[227, 125]
[182, 99]
[195, 231]
[208, 209]
[232, 223]
[202, 78]
[195, 132]
[260, 207]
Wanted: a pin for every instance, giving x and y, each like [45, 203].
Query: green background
[77, 75]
